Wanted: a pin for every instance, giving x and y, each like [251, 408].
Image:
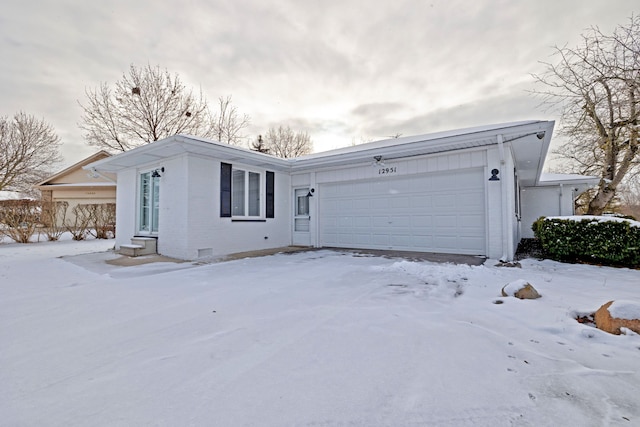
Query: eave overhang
[528, 141]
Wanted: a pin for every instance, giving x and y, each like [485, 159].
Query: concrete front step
[140, 246]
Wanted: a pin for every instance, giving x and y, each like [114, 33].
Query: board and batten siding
[407, 166]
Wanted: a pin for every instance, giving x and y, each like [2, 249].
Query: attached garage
[434, 212]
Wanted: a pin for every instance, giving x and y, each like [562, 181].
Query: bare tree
[228, 124]
[149, 104]
[597, 88]
[259, 145]
[19, 219]
[29, 148]
[284, 142]
[630, 199]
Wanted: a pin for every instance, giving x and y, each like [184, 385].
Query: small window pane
[145, 201]
[254, 194]
[303, 205]
[237, 191]
[155, 213]
[302, 201]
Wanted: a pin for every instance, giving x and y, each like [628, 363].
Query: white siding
[126, 207]
[544, 201]
[190, 225]
[211, 235]
[435, 163]
[175, 196]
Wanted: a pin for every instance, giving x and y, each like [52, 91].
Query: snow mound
[625, 309]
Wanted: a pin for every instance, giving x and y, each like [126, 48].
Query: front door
[301, 218]
[149, 203]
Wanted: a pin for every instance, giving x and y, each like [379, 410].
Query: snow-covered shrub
[19, 219]
[103, 220]
[96, 219]
[603, 240]
[78, 224]
[53, 218]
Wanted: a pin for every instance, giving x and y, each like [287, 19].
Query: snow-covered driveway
[318, 338]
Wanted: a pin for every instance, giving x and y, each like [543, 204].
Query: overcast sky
[343, 71]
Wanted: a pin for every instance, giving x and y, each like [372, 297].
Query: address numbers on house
[387, 171]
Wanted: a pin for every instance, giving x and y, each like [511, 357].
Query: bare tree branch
[28, 151]
[148, 104]
[228, 124]
[596, 86]
[284, 142]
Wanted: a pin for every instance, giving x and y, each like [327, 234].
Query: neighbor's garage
[435, 212]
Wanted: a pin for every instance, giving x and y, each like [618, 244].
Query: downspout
[505, 213]
[560, 201]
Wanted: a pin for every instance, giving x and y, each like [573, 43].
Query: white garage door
[438, 212]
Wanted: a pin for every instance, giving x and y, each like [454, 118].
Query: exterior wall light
[156, 172]
[310, 193]
[494, 175]
[378, 161]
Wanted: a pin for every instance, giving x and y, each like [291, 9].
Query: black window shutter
[225, 190]
[270, 211]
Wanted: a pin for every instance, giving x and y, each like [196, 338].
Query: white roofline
[521, 136]
[549, 179]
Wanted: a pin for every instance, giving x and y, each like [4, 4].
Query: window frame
[248, 191]
[147, 222]
[266, 193]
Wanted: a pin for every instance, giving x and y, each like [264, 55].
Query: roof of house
[567, 179]
[528, 141]
[91, 180]
[13, 195]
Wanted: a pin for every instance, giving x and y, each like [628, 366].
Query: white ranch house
[472, 191]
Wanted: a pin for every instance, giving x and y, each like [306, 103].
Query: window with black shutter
[225, 190]
[270, 196]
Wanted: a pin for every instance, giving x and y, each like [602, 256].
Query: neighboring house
[472, 191]
[75, 185]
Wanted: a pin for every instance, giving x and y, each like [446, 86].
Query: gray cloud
[342, 71]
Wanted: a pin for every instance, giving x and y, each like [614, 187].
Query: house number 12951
[386, 171]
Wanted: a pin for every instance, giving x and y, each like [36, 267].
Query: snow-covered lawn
[319, 338]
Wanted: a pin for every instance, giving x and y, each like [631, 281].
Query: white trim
[262, 193]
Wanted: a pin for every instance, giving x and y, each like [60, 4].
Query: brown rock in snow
[606, 322]
[522, 291]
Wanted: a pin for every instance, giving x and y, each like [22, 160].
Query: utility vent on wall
[205, 252]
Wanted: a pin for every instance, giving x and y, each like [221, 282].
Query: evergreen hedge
[593, 240]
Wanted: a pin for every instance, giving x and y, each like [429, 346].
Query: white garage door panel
[441, 212]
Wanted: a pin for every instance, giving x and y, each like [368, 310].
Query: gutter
[560, 201]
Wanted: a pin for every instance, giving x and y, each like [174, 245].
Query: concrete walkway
[412, 256]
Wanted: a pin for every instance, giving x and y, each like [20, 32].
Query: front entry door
[301, 218]
[149, 203]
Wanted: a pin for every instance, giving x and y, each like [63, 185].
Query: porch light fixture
[310, 193]
[494, 175]
[156, 172]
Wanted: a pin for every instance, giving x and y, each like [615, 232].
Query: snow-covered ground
[319, 338]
